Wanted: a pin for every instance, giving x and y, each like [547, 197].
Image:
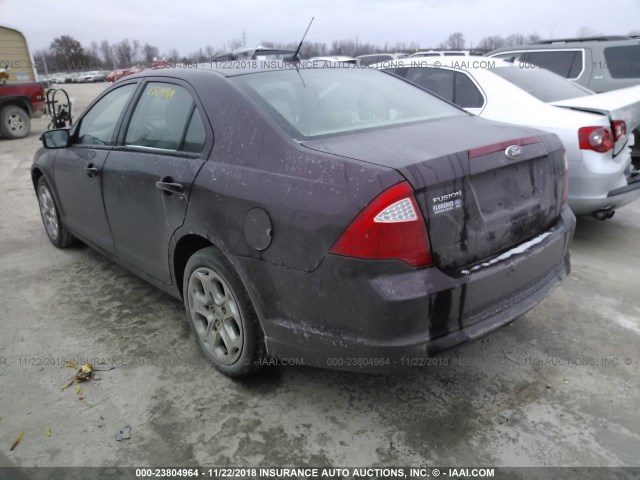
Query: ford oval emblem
[513, 152]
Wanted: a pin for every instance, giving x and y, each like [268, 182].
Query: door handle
[91, 170]
[168, 186]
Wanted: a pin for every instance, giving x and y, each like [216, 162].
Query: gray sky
[190, 24]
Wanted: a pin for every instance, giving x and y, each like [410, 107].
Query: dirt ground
[558, 387]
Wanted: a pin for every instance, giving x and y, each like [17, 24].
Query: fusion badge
[447, 202]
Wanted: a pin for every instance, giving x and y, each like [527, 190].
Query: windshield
[314, 102]
[542, 84]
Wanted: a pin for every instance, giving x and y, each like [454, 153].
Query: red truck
[22, 97]
[19, 102]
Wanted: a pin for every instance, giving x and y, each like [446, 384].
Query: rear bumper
[384, 316]
[39, 109]
[600, 183]
[627, 191]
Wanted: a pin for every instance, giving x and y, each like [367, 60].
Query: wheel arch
[185, 247]
[36, 173]
[17, 101]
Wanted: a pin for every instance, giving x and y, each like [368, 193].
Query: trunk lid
[623, 104]
[476, 201]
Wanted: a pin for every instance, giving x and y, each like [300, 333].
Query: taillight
[565, 181]
[389, 228]
[619, 129]
[598, 139]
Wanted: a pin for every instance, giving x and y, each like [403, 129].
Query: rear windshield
[313, 102]
[542, 84]
[623, 62]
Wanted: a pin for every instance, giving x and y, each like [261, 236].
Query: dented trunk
[477, 201]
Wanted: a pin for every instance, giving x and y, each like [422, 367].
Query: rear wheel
[56, 231]
[221, 314]
[14, 122]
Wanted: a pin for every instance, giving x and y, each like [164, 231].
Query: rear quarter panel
[310, 197]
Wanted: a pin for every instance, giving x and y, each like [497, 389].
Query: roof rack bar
[603, 38]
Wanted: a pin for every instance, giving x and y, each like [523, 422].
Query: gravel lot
[558, 387]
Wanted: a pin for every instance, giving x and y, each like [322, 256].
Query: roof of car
[236, 68]
[462, 62]
[560, 43]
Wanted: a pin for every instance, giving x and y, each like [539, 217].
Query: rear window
[542, 84]
[566, 63]
[313, 102]
[623, 62]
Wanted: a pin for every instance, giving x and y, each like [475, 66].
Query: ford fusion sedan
[342, 217]
[593, 127]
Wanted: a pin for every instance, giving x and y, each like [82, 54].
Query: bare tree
[68, 53]
[92, 55]
[491, 42]
[124, 52]
[533, 37]
[173, 55]
[106, 52]
[587, 32]
[455, 41]
[209, 51]
[514, 40]
[234, 44]
[135, 48]
[149, 53]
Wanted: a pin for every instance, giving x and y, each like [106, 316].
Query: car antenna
[294, 57]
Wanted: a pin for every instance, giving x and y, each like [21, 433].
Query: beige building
[16, 63]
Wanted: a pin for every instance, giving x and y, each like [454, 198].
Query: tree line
[65, 53]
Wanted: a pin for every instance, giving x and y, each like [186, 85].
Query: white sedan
[593, 127]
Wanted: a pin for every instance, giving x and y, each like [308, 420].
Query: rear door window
[160, 117]
[623, 62]
[456, 87]
[435, 80]
[466, 94]
[567, 63]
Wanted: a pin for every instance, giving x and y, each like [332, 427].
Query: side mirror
[58, 138]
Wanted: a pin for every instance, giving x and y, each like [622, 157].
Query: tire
[221, 315]
[56, 231]
[14, 122]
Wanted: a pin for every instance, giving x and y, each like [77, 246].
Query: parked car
[92, 77]
[593, 127]
[342, 217]
[366, 60]
[439, 53]
[56, 77]
[333, 59]
[601, 64]
[255, 53]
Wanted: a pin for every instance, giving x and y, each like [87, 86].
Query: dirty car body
[369, 223]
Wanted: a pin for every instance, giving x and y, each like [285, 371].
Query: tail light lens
[565, 182]
[619, 129]
[598, 139]
[389, 228]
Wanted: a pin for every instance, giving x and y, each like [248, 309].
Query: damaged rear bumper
[373, 316]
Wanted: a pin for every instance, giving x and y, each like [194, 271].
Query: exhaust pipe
[604, 214]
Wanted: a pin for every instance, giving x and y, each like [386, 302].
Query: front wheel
[221, 314]
[56, 231]
[14, 122]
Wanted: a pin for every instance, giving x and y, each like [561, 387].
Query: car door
[78, 169]
[148, 176]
